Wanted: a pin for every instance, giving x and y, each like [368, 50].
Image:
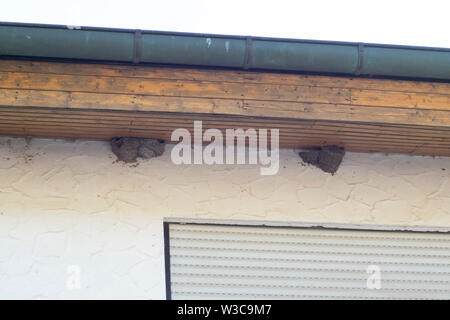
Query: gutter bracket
[360, 58]
[137, 50]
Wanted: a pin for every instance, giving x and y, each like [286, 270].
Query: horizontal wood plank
[196, 74]
[98, 125]
[170, 123]
[273, 109]
[223, 90]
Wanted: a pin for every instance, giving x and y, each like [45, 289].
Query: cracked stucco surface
[70, 203]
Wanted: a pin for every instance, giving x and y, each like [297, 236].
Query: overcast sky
[410, 22]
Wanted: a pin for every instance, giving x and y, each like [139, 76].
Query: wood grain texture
[94, 101]
[173, 73]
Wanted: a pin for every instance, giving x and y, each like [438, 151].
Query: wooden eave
[101, 101]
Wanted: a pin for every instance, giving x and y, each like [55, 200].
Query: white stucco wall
[69, 203]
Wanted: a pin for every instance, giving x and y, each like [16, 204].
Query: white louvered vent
[235, 262]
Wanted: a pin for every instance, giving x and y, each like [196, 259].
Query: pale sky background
[409, 22]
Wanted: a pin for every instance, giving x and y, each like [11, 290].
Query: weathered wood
[195, 74]
[94, 101]
[273, 109]
[223, 90]
[170, 123]
[100, 125]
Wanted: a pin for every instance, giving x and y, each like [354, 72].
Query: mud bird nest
[327, 158]
[128, 149]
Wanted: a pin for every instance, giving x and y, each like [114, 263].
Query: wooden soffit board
[101, 101]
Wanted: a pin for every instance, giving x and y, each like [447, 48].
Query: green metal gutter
[255, 53]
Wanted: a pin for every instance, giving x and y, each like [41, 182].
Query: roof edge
[211, 50]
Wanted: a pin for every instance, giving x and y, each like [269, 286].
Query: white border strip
[294, 224]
